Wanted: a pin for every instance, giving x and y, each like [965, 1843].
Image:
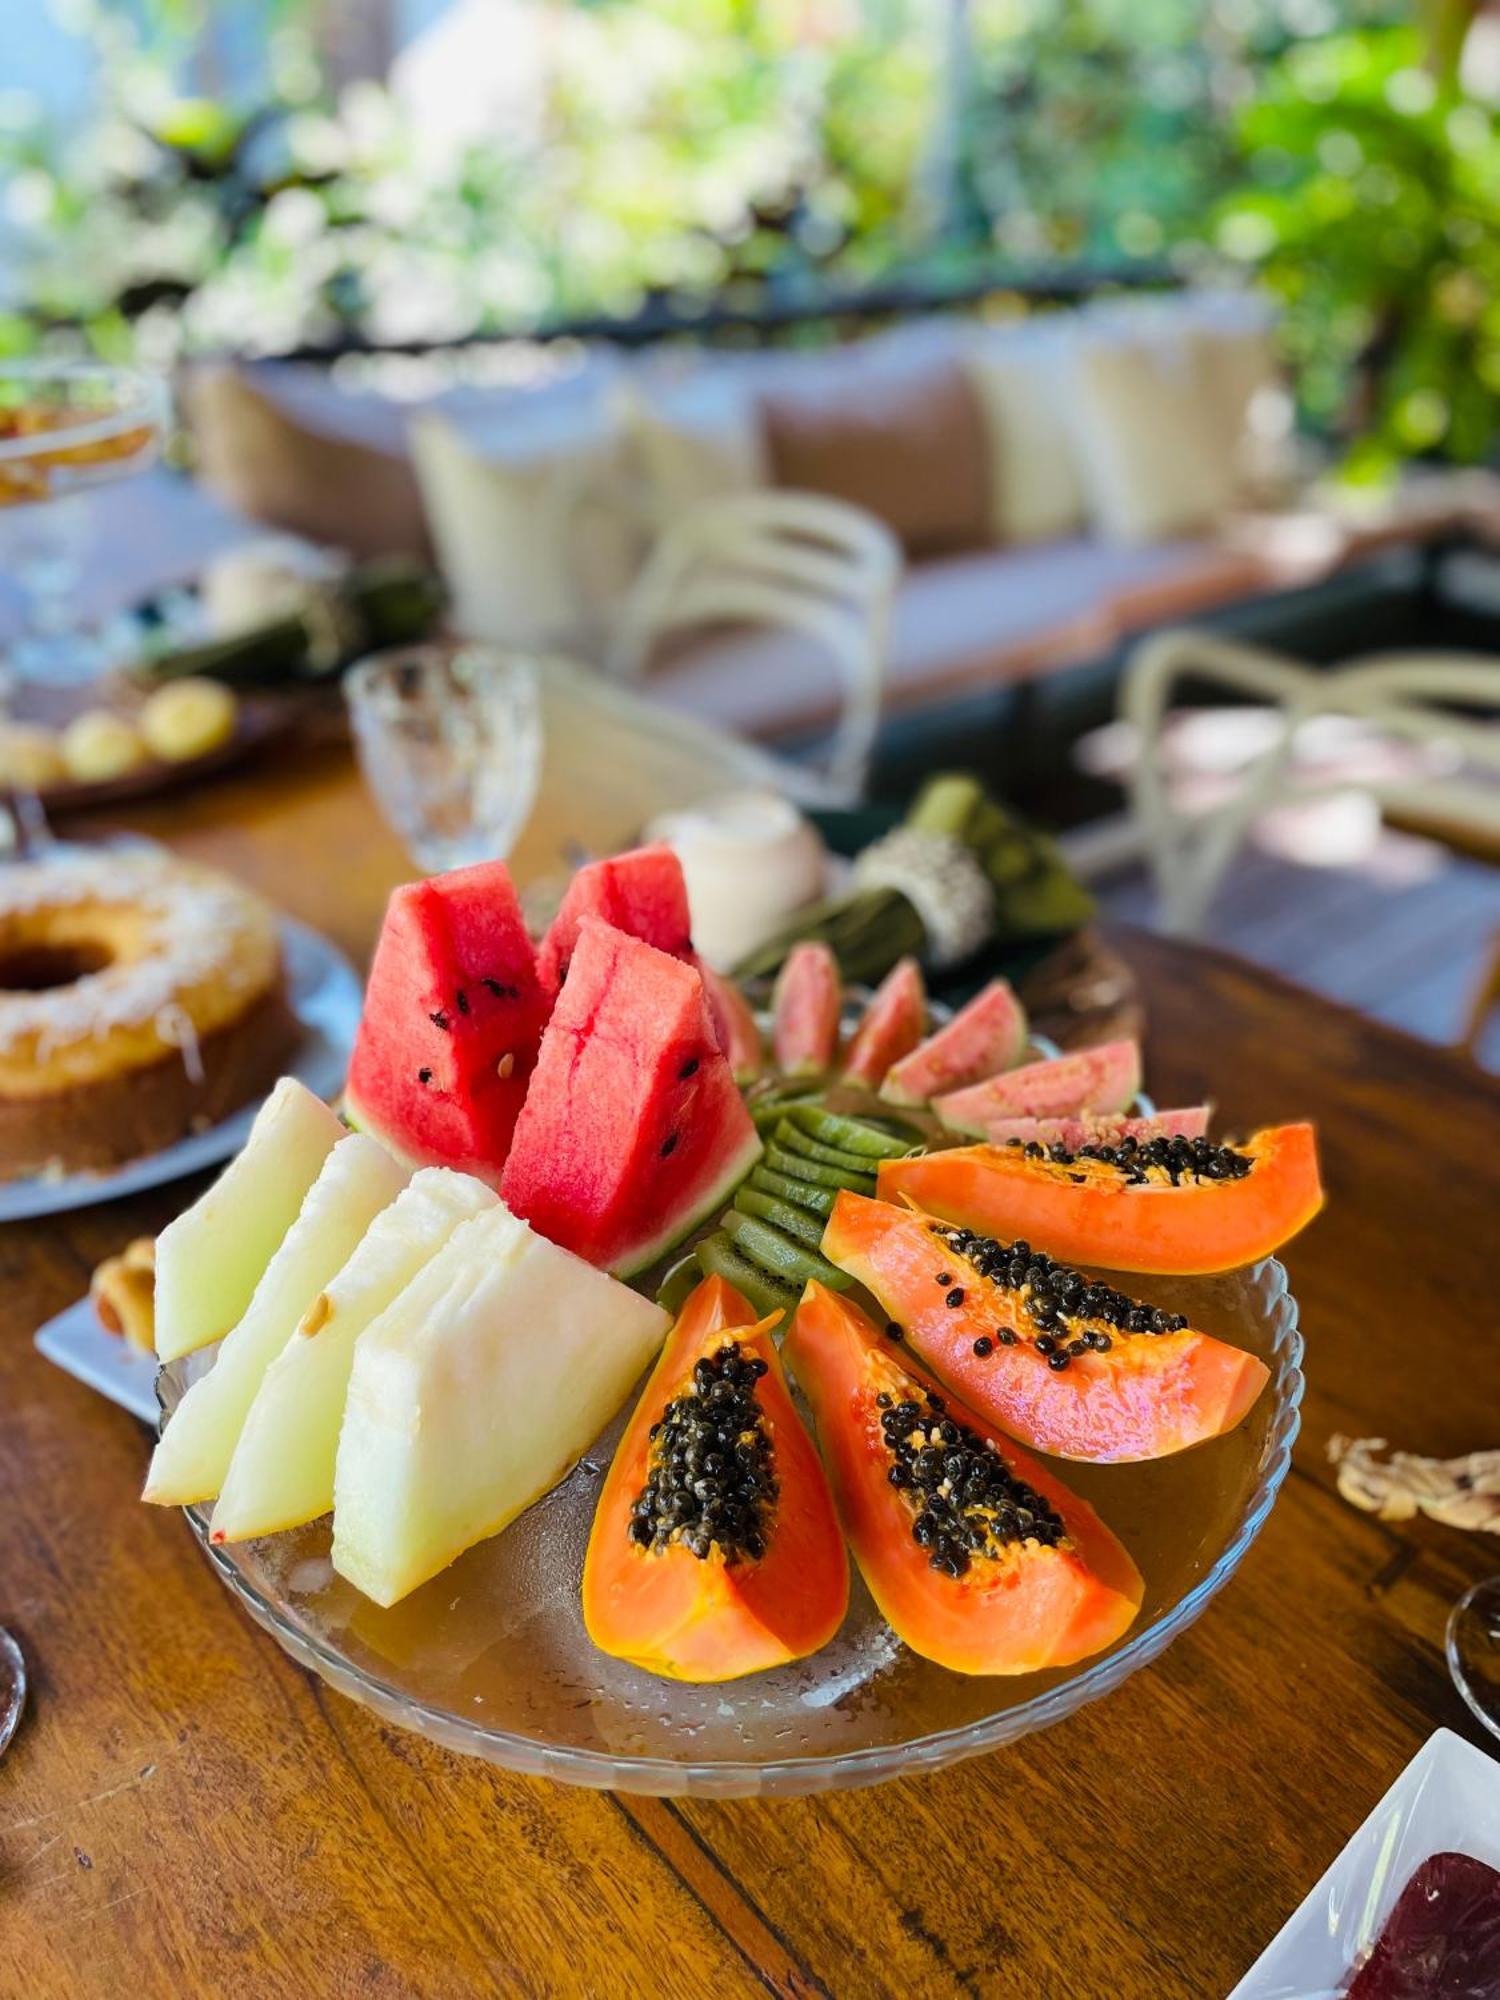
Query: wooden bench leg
[1486, 999]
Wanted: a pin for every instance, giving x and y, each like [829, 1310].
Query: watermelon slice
[987, 1035]
[633, 1129]
[1104, 1079]
[1093, 1130]
[641, 893]
[453, 1017]
[891, 1026]
[805, 1008]
[734, 1023]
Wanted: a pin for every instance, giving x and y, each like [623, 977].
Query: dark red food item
[1442, 1940]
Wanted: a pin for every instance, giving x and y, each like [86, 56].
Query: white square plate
[77, 1343]
[1447, 1798]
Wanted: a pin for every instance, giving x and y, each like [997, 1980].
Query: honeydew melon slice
[358, 1179]
[209, 1261]
[491, 1374]
[282, 1470]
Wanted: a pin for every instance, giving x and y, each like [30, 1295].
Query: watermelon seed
[669, 1144]
[439, 1020]
[505, 1065]
[461, 1000]
[500, 991]
[689, 1068]
[424, 1076]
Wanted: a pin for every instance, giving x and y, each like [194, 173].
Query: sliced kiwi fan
[766, 1245]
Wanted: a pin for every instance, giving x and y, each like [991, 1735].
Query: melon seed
[439, 1020]
[317, 1315]
[424, 1075]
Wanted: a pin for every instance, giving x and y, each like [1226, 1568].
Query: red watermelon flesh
[633, 1129]
[734, 1024]
[452, 1020]
[641, 893]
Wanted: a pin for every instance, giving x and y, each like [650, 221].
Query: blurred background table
[186, 1811]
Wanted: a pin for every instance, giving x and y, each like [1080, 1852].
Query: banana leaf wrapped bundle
[958, 875]
[388, 602]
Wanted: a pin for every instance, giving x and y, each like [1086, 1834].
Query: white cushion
[694, 437]
[538, 534]
[1150, 442]
[1019, 376]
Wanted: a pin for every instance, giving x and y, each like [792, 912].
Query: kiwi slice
[848, 1135]
[766, 1113]
[797, 1168]
[720, 1259]
[817, 1200]
[679, 1283]
[792, 1140]
[779, 1255]
[783, 1215]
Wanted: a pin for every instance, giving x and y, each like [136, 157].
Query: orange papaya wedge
[715, 1550]
[1168, 1205]
[1041, 1350]
[977, 1556]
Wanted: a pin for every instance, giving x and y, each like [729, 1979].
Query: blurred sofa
[1055, 484]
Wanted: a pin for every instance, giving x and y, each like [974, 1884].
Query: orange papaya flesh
[1049, 1355]
[976, 1554]
[1173, 1205]
[707, 1588]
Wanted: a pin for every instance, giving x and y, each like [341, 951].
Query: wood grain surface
[187, 1813]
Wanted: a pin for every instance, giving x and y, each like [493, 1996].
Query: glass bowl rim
[143, 401]
[799, 1776]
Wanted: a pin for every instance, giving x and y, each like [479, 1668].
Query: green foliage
[1373, 210]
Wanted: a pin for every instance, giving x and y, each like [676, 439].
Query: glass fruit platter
[671, 1617]
[491, 1657]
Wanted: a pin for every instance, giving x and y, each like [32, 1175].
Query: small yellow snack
[30, 756]
[98, 745]
[123, 1290]
[188, 718]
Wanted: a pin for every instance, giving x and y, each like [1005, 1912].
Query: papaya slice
[1168, 1204]
[715, 1550]
[978, 1557]
[1047, 1354]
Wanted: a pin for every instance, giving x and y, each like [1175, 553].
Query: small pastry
[123, 1290]
[188, 718]
[98, 746]
[31, 758]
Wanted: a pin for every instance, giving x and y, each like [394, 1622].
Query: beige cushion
[692, 438]
[899, 435]
[1019, 375]
[1150, 445]
[538, 535]
[257, 457]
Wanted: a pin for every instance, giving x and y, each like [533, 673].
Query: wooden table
[185, 1812]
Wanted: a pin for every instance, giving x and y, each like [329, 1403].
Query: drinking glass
[1473, 1646]
[450, 742]
[64, 428]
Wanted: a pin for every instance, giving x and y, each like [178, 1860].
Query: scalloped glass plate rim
[728, 1778]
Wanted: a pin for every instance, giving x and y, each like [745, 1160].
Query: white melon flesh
[282, 1470]
[209, 1261]
[473, 1394]
[358, 1179]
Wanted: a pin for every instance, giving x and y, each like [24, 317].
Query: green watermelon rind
[716, 1195]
